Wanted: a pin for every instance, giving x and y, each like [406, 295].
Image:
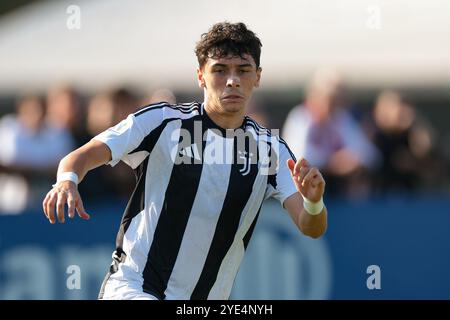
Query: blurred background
[359, 88]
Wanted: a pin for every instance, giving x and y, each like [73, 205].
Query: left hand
[308, 180]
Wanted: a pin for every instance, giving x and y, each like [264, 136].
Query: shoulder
[167, 110]
[272, 135]
[259, 129]
[284, 146]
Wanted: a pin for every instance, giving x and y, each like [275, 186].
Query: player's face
[229, 82]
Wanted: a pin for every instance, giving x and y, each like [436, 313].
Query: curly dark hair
[226, 38]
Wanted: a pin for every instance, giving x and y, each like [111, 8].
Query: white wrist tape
[313, 208]
[67, 176]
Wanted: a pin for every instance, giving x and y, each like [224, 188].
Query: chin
[233, 107]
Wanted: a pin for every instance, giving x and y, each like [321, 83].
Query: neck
[224, 119]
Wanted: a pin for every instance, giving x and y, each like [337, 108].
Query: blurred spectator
[31, 150]
[445, 151]
[407, 144]
[100, 114]
[104, 111]
[107, 109]
[322, 131]
[64, 110]
[124, 102]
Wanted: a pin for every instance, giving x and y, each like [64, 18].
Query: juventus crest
[246, 160]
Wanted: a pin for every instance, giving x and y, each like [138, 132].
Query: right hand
[65, 192]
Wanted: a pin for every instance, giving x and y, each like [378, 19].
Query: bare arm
[91, 155]
[310, 183]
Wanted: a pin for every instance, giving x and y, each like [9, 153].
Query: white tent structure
[148, 43]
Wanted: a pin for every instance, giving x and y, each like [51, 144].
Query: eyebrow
[226, 66]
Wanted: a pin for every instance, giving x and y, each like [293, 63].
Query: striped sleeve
[281, 185]
[128, 134]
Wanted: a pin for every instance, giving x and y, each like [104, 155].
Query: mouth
[232, 97]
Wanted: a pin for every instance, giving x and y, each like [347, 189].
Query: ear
[200, 79]
[258, 77]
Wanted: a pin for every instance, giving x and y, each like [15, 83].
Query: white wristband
[313, 208]
[67, 176]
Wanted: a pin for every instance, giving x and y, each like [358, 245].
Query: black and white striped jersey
[196, 202]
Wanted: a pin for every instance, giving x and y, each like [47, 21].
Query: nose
[233, 81]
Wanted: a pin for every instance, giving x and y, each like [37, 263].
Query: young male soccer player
[203, 171]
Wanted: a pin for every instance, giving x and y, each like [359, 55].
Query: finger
[51, 207]
[317, 181]
[303, 173]
[70, 205]
[62, 197]
[44, 205]
[291, 164]
[312, 173]
[300, 163]
[81, 212]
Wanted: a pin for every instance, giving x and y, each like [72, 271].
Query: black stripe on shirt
[177, 205]
[238, 193]
[134, 206]
[149, 142]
